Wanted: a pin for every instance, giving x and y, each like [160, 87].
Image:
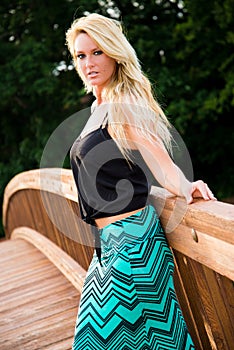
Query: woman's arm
[165, 170]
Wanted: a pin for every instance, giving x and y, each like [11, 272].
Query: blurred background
[185, 47]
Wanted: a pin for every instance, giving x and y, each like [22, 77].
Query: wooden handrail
[205, 232]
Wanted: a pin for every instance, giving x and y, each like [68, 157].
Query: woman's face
[96, 66]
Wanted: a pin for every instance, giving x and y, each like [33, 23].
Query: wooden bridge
[48, 249]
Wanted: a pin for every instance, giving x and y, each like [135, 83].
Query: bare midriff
[102, 222]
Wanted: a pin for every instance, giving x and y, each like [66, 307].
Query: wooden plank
[189, 278]
[214, 308]
[62, 345]
[222, 326]
[55, 180]
[37, 335]
[183, 298]
[73, 272]
[226, 289]
[38, 305]
[210, 251]
[212, 217]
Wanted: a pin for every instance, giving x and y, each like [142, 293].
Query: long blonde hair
[129, 94]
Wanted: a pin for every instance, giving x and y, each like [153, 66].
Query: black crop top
[107, 184]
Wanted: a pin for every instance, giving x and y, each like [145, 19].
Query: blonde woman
[128, 299]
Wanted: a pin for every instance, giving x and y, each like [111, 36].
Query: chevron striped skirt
[129, 302]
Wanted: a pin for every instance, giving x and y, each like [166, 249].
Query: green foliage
[185, 47]
[205, 57]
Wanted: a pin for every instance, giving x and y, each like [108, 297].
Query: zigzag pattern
[129, 303]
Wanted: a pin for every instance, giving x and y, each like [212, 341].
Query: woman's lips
[92, 74]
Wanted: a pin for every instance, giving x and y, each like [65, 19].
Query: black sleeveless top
[107, 183]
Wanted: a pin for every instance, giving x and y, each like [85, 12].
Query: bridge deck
[38, 305]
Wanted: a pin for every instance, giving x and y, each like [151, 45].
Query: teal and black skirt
[129, 301]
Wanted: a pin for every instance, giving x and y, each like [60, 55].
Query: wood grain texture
[38, 305]
[46, 201]
[69, 267]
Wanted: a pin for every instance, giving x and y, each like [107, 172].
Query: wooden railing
[202, 241]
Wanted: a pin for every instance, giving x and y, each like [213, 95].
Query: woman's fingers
[210, 193]
[201, 189]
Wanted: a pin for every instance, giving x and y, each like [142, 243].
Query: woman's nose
[89, 61]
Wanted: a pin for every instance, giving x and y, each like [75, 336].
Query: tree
[204, 108]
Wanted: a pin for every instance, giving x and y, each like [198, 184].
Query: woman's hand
[199, 189]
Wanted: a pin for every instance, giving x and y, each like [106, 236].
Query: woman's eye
[97, 53]
[80, 56]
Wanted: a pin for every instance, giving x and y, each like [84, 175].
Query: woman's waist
[105, 221]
